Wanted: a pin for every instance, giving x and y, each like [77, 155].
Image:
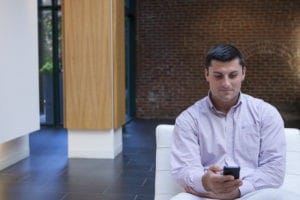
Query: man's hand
[218, 184]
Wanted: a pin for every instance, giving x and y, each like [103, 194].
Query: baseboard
[13, 151]
[90, 154]
[94, 143]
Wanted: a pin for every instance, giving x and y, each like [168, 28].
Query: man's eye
[218, 77]
[232, 76]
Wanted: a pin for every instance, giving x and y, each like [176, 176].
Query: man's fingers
[215, 168]
[229, 186]
[225, 178]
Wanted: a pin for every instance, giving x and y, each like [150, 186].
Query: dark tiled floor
[49, 175]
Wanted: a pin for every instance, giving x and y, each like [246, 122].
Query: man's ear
[244, 72]
[206, 74]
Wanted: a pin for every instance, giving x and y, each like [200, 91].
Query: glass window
[50, 63]
[46, 2]
[46, 67]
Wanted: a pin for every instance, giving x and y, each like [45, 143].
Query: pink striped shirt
[250, 135]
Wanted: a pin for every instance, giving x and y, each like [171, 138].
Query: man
[228, 128]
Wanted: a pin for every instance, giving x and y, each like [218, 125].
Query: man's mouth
[226, 90]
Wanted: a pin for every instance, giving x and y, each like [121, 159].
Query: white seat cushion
[166, 186]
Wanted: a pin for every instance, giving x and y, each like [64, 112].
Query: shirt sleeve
[272, 157]
[186, 165]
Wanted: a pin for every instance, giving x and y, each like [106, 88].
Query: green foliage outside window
[47, 68]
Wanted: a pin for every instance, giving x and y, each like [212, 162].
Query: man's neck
[224, 106]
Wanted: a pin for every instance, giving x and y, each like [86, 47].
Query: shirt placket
[229, 134]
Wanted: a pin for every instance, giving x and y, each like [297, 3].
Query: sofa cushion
[166, 186]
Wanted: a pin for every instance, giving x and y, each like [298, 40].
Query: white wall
[14, 151]
[19, 97]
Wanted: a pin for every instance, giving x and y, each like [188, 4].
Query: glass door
[50, 65]
[130, 58]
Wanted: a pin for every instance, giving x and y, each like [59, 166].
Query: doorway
[130, 58]
[50, 63]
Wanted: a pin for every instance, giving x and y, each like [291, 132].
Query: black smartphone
[232, 170]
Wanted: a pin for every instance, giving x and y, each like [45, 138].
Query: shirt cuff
[246, 188]
[196, 182]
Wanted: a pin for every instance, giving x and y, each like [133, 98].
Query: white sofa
[166, 186]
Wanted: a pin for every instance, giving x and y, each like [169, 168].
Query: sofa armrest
[165, 185]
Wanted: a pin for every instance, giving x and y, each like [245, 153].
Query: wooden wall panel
[119, 62]
[87, 62]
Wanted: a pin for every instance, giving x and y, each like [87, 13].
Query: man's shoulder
[256, 103]
[195, 109]
[251, 99]
[198, 106]
[190, 116]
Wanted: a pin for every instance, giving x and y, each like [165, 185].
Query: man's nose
[225, 82]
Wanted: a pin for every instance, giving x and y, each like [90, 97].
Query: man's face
[225, 80]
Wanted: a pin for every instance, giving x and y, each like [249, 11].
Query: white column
[94, 143]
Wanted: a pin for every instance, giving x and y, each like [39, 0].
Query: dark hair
[224, 53]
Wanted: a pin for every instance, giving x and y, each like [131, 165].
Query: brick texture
[174, 35]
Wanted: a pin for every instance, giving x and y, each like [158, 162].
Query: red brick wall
[173, 36]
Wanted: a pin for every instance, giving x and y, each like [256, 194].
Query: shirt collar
[212, 107]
